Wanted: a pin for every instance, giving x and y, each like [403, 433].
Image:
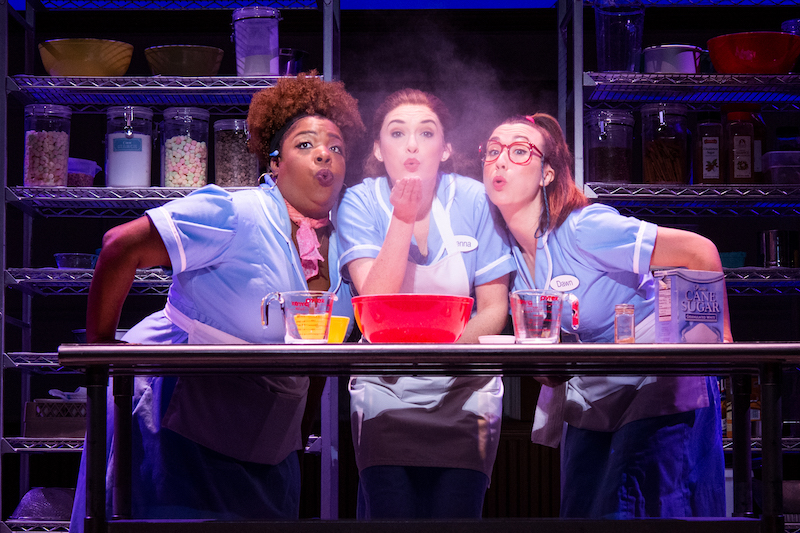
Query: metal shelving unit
[220, 95]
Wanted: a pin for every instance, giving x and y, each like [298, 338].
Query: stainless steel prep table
[740, 360]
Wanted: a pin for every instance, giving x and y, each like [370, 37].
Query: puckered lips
[498, 182]
[411, 164]
[325, 177]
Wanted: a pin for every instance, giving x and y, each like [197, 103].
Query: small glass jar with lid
[129, 146]
[184, 147]
[609, 146]
[46, 162]
[665, 144]
[234, 165]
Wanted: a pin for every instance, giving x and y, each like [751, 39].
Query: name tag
[564, 283]
[465, 243]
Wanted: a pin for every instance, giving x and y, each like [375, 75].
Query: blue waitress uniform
[219, 447]
[633, 446]
[433, 422]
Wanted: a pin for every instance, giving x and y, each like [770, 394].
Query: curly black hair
[271, 109]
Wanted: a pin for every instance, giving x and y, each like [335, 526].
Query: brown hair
[273, 108]
[373, 167]
[563, 196]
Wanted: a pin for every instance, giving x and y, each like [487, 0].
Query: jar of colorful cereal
[46, 145]
[184, 147]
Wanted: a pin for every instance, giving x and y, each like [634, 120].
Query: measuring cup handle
[265, 306]
[571, 303]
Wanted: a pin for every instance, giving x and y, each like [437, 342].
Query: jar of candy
[609, 146]
[184, 147]
[665, 144]
[46, 161]
[129, 146]
[234, 165]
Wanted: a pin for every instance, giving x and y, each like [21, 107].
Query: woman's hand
[406, 198]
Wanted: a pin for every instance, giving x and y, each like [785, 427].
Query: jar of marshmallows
[184, 147]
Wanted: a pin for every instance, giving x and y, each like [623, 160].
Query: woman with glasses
[633, 446]
[425, 446]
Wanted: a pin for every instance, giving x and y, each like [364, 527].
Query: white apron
[250, 418]
[373, 396]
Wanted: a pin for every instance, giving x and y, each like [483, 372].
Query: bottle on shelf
[739, 133]
[708, 152]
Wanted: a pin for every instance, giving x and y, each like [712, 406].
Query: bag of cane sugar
[689, 304]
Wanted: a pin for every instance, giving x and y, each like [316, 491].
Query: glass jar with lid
[184, 147]
[665, 144]
[234, 165]
[46, 162]
[609, 146]
[129, 146]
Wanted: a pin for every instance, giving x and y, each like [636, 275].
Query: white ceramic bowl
[672, 58]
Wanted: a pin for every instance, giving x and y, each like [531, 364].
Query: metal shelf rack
[65, 282]
[37, 525]
[220, 95]
[697, 200]
[773, 92]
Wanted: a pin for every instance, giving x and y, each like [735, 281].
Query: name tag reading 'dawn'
[564, 283]
[465, 243]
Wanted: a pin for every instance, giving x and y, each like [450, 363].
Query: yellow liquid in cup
[311, 327]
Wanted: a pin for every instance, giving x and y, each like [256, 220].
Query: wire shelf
[34, 445]
[66, 282]
[38, 525]
[220, 95]
[175, 4]
[91, 202]
[697, 200]
[773, 92]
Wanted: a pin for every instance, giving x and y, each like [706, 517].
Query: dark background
[485, 65]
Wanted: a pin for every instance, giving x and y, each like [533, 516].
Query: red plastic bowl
[758, 52]
[412, 318]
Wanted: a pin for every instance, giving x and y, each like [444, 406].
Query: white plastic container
[672, 58]
[255, 31]
[129, 146]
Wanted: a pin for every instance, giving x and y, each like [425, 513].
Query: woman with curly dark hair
[224, 447]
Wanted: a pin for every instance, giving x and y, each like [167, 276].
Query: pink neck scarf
[307, 242]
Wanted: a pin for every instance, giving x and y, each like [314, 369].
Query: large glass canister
[129, 146]
[665, 144]
[234, 165]
[46, 161]
[609, 146]
[184, 147]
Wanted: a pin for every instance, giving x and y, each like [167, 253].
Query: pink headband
[530, 119]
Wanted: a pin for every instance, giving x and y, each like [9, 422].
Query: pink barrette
[530, 119]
